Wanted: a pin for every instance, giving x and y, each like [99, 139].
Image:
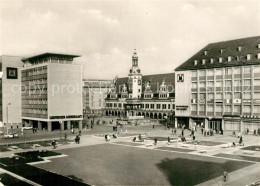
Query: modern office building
[52, 92]
[219, 87]
[10, 94]
[151, 96]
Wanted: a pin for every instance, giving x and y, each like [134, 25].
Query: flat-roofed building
[219, 87]
[52, 92]
[10, 91]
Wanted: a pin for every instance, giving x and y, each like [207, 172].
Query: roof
[230, 48]
[154, 80]
[49, 55]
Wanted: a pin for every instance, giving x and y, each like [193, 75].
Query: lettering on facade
[182, 107]
[64, 117]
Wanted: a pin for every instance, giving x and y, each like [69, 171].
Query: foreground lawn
[110, 164]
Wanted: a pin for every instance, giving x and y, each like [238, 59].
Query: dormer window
[229, 58]
[258, 46]
[220, 59]
[222, 50]
[239, 48]
[248, 57]
[203, 61]
[211, 60]
[206, 52]
[195, 62]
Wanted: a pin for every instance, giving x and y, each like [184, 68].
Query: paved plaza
[123, 162]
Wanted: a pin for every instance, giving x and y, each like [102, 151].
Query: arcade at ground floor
[243, 125]
[146, 114]
[53, 125]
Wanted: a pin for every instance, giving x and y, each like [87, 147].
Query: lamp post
[7, 117]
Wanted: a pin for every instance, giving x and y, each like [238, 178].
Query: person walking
[155, 141]
[225, 176]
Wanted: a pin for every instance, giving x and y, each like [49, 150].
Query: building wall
[11, 91]
[182, 94]
[64, 90]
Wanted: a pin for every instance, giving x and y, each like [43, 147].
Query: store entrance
[215, 125]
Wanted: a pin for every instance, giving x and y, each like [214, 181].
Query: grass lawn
[253, 148]
[109, 164]
[238, 157]
[7, 179]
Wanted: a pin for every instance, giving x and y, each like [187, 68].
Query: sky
[105, 33]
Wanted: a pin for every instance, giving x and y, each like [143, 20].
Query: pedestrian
[247, 130]
[134, 139]
[201, 130]
[241, 141]
[79, 132]
[193, 137]
[225, 176]
[155, 141]
[153, 126]
[53, 143]
[169, 140]
[106, 138]
[205, 133]
[65, 136]
[182, 132]
[175, 130]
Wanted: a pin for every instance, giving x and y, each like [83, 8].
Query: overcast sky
[105, 33]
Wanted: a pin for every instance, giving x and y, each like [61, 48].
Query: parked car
[27, 128]
[11, 135]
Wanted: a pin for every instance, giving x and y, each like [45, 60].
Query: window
[211, 60]
[218, 108]
[257, 95]
[219, 83]
[239, 48]
[228, 71]
[202, 73]
[227, 108]
[193, 85]
[195, 62]
[147, 106]
[169, 106]
[158, 106]
[247, 70]
[256, 69]
[228, 83]
[203, 61]
[247, 82]
[210, 72]
[210, 108]
[247, 95]
[220, 60]
[210, 84]
[152, 106]
[194, 74]
[228, 95]
[219, 72]
[115, 105]
[210, 96]
[248, 56]
[222, 50]
[258, 56]
[257, 82]
[257, 109]
[194, 96]
[194, 108]
[237, 95]
[163, 106]
[219, 96]
[237, 70]
[205, 52]
[258, 45]
[202, 108]
[247, 108]
[139, 90]
[229, 58]
[202, 84]
[202, 96]
[237, 108]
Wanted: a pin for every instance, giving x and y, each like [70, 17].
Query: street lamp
[7, 117]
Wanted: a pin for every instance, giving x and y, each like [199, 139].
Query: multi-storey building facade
[151, 96]
[94, 95]
[10, 94]
[219, 87]
[52, 91]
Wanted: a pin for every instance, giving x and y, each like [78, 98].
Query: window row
[226, 95]
[227, 108]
